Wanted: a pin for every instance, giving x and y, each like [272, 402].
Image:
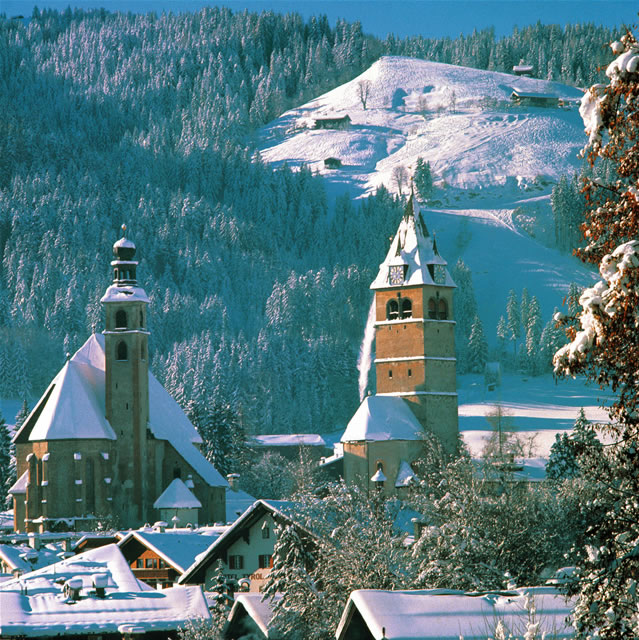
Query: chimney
[234, 481]
[34, 541]
[100, 581]
[72, 588]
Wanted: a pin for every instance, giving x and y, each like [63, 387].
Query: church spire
[124, 266]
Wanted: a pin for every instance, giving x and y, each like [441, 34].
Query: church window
[407, 308]
[442, 309]
[141, 318]
[90, 485]
[432, 309]
[142, 352]
[120, 319]
[410, 373]
[122, 351]
[392, 310]
[390, 373]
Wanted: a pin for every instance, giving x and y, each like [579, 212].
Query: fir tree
[423, 179]
[477, 348]
[7, 462]
[513, 315]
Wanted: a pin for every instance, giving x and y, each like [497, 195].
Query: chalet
[332, 163]
[444, 614]
[160, 557]
[343, 122]
[526, 98]
[94, 595]
[245, 548]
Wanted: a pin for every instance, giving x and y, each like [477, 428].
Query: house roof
[177, 496]
[20, 485]
[257, 608]
[413, 247]
[23, 557]
[73, 408]
[449, 615]
[405, 475]
[34, 604]
[178, 548]
[237, 502]
[383, 418]
[282, 509]
[289, 440]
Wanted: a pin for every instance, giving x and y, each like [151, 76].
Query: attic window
[392, 310]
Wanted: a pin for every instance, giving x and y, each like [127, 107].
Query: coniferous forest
[258, 283]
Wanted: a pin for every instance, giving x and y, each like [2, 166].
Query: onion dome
[124, 249]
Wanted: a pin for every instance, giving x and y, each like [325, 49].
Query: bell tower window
[122, 351]
[141, 318]
[442, 309]
[407, 308]
[432, 309]
[120, 319]
[392, 310]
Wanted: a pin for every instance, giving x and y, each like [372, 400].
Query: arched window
[122, 352]
[442, 309]
[120, 319]
[392, 310]
[407, 308]
[432, 309]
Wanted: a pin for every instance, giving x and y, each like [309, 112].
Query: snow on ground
[530, 406]
[489, 158]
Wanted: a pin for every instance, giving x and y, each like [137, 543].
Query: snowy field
[491, 160]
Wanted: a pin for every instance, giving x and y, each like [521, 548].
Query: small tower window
[142, 352]
[141, 318]
[392, 310]
[120, 319]
[390, 373]
[407, 308]
[432, 309]
[410, 373]
[177, 472]
[122, 351]
[442, 309]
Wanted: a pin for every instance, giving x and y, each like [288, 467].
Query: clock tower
[415, 364]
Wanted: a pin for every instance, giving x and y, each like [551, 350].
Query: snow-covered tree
[568, 450]
[513, 316]
[7, 462]
[477, 347]
[423, 178]
[605, 346]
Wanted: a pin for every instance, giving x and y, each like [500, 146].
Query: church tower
[127, 380]
[415, 365]
[415, 328]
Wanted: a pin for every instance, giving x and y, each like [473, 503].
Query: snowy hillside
[494, 166]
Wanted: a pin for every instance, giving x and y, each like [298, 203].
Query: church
[415, 365]
[106, 439]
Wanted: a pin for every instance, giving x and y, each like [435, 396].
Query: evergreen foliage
[569, 450]
[423, 179]
[477, 348]
[7, 463]
[605, 346]
[465, 306]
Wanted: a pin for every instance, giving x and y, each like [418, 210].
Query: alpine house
[106, 439]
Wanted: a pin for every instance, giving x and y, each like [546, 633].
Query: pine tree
[465, 311]
[513, 315]
[477, 347]
[7, 462]
[502, 336]
[423, 179]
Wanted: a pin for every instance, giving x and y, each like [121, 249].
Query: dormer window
[392, 310]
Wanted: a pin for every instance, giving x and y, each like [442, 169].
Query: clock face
[439, 275]
[396, 274]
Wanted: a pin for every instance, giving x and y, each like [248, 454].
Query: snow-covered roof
[20, 485]
[383, 418]
[73, 407]
[237, 502]
[179, 548]
[124, 243]
[414, 248]
[447, 614]
[258, 608]
[34, 604]
[405, 475]
[289, 440]
[177, 496]
[23, 557]
[124, 293]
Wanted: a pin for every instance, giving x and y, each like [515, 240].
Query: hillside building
[415, 364]
[106, 439]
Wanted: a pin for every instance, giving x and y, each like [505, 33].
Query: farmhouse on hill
[106, 439]
[336, 122]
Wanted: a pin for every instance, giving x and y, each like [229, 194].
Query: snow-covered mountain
[494, 165]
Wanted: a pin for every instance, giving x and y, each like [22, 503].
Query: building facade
[415, 364]
[106, 439]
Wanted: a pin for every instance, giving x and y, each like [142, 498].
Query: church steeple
[127, 377]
